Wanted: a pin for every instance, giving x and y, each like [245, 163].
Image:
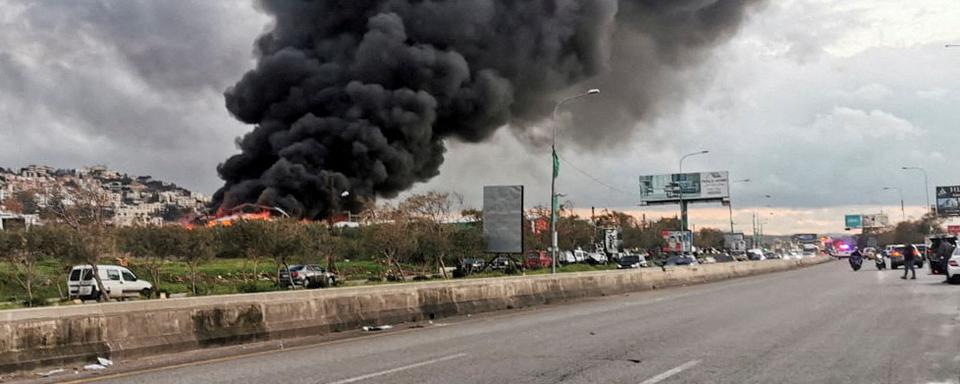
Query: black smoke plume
[359, 95]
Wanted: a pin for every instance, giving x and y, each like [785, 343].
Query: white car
[756, 254]
[119, 282]
[953, 267]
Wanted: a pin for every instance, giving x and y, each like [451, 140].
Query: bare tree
[87, 210]
[434, 211]
[389, 238]
[195, 246]
[152, 246]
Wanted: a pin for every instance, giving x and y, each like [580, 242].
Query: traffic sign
[853, 221]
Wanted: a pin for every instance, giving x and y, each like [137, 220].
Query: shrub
[35, 302]
[254, 287]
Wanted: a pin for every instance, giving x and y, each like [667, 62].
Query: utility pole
[903, 214]
[553, 179]
[926, 187]
[683, 204]
[730, 203]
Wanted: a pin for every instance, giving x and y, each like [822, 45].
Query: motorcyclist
[856, 258]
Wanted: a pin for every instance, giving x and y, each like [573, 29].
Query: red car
[537, 259]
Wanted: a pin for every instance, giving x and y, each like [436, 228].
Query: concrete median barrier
[33, 338]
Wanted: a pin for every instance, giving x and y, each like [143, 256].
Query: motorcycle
[881, 264]
[856, 261]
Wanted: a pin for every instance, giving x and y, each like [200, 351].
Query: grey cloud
[135, 84]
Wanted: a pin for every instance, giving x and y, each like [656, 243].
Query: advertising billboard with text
[666, 189]
[948, 200]
[874, 221]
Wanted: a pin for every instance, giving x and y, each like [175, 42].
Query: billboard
[734, 242]
[503, 218]
[948, 200]
[874, 221]
[677, 241]
[666, 189]
[853, 221]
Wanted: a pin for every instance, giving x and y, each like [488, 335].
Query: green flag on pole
[556, 165]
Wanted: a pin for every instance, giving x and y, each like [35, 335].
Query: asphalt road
[824, 324]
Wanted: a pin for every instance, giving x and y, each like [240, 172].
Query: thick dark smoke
[359, 95]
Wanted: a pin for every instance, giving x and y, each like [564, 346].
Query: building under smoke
[360, 95]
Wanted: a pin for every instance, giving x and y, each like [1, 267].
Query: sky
[818, 102]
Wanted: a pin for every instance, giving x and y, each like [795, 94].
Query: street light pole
[926, 186]
[554, 173]
[730, 203]
[683, 206]
[903, 215]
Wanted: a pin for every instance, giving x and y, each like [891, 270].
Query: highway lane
[817, 325]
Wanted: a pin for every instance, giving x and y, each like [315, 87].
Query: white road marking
[398, 369]
[663, 376]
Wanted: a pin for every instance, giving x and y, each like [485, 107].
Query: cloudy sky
[818, 102]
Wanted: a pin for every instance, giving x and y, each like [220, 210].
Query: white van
[118, 281]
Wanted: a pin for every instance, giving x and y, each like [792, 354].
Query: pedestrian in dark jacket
[944, 251]
[909, 258]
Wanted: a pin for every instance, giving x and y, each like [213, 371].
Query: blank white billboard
[503, 218]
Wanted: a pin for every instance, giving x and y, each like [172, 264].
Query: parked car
[708, 260]
[676, 260]
[895, 253]
[579, 255]
[644, 257]
[118, 282]
[469, 266]
[597, 257]
[628, 261]
[307, 276]
[936, 263]
[566, 257]
[755, 254]
[724, 258]
[953, 267]
[501, 263]
[537, 259]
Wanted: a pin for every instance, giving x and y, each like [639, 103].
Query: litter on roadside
[93, 367]
[104, 362]
[50, 373]
[377, 327]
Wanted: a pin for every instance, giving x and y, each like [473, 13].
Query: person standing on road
[909, 259]
[944, 251]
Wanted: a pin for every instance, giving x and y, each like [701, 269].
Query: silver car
[307, 276]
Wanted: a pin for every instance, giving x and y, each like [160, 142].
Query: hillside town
[27, 193]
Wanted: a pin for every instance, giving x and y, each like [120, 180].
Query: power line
[582, 172]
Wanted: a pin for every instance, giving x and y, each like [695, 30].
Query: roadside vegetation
[419, 238]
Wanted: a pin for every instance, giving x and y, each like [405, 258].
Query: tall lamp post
[730, 203]
[926, 185]
[903, 215]
[555, 173]
[683, 205]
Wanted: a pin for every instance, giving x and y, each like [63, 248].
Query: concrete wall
[31, 338]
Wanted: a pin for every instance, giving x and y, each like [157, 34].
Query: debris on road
[104, 362]
[370, 328]
[50, 373]
[93, 367]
